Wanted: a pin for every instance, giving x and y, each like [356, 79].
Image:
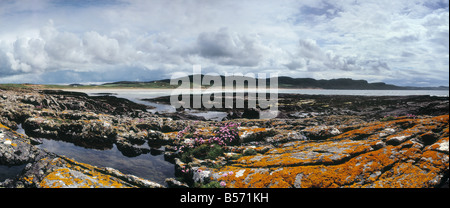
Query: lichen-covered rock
[363, 157]
[337, 144]
[94, 122]
[15, 149]
[173, 183]
[61, 172]
[47, 170]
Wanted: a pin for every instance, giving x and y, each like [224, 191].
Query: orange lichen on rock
[364, 131]
[418, 159]
[71, 174]
[5, 127]
[67, 173]
[303, 153]
[73, 178]
[246, 130]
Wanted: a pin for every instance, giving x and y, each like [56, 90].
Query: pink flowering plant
[196, 143]
[228, 134]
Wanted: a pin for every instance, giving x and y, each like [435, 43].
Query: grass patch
[14, 86]
[204, 151]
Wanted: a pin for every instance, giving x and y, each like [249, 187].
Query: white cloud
[100, 48]
[310, 57]
[27, 56]
[394, 38]
[375, 39]
[65, 48]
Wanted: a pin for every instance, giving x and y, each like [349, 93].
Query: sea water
[147, 166]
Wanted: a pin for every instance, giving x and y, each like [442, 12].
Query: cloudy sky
[403, 42]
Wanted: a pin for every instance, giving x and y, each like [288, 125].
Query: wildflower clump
[227, 134]
[199, 144]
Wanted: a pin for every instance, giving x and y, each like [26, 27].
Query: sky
[402, 42]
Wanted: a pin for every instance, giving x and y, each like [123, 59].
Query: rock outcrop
[382, 154]
[91, 122]
[356, 143]
[46, 170]
[309, 106]
[406, 152]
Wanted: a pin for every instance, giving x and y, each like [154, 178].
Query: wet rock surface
[42, 169]
[318, 141]
[98, 123]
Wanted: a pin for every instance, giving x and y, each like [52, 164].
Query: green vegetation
[235, 157]
[388, 118]
[204, 151]
[118, 85]
[249, 152]
[13, 86]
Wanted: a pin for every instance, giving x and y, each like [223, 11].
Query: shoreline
[143, 88]
[64, 87]
[438, 93]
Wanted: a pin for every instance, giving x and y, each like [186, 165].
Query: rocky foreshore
[342, 142]
[295, 106]
[43, 169]
[91, 122]
[402, 153]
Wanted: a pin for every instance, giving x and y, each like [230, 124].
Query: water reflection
[149, 166]
[208, 115]
[9, 172]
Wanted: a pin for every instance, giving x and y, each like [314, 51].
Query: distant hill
[293, 83]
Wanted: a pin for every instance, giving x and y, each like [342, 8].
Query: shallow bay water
[137, 96]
